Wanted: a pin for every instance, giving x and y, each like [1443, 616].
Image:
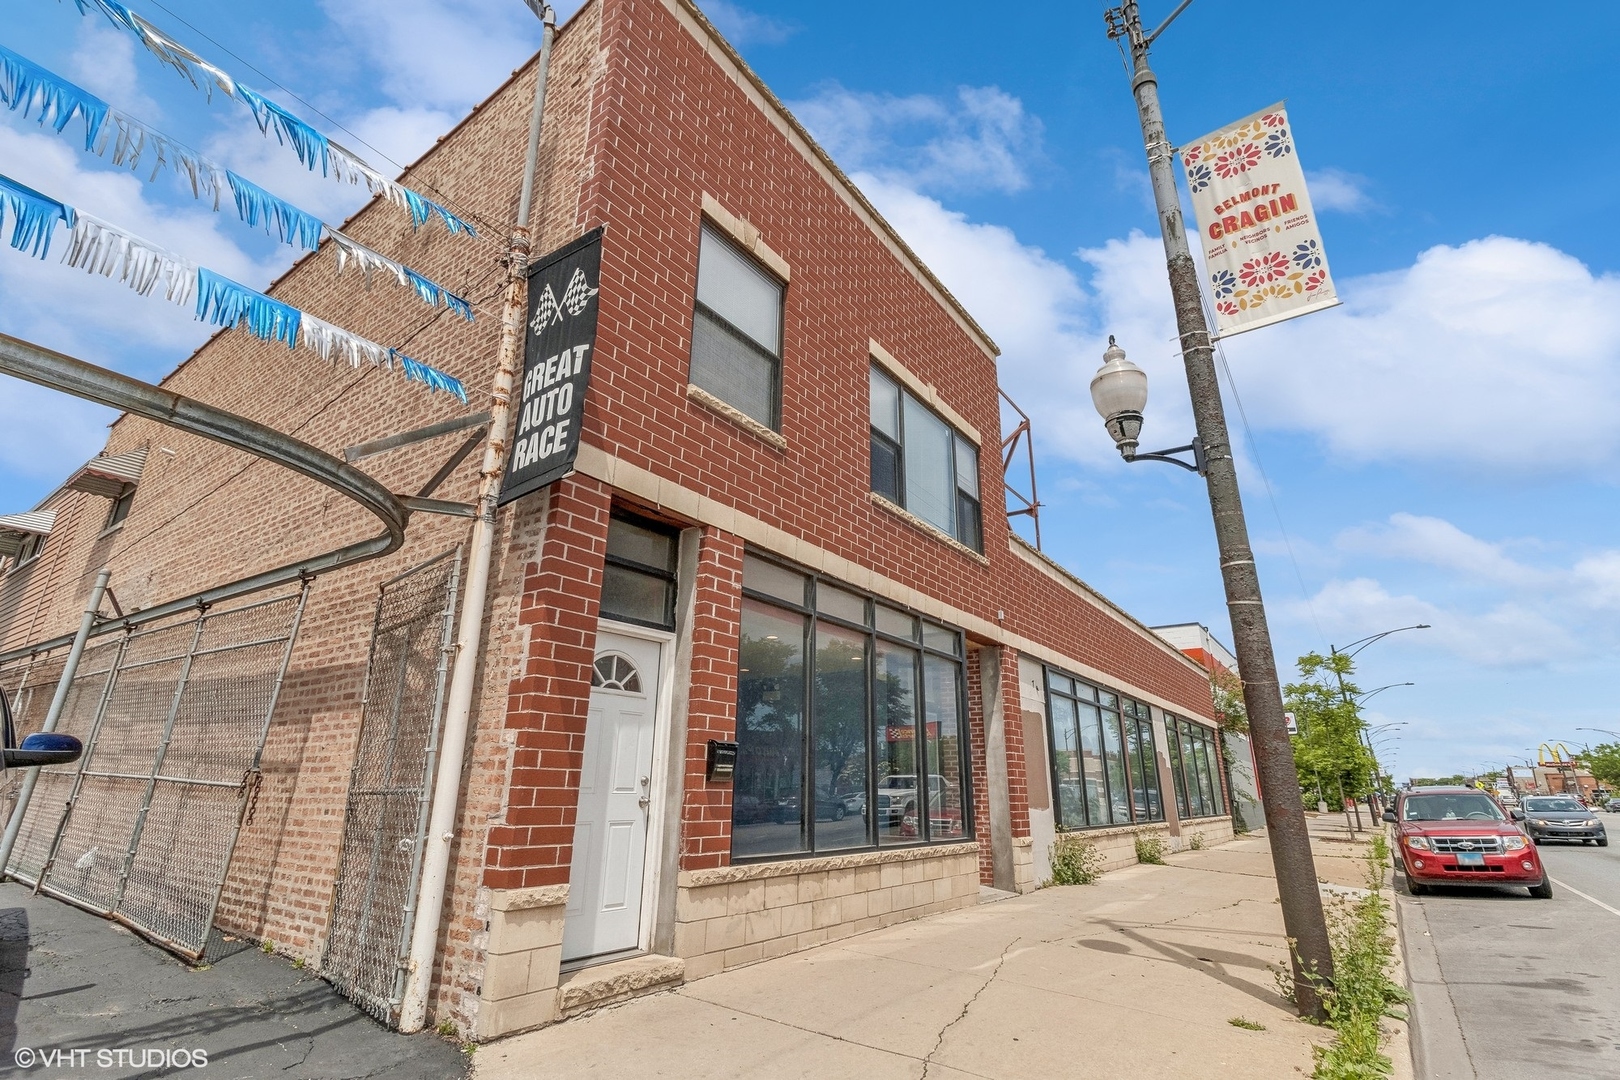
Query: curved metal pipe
[35, 364]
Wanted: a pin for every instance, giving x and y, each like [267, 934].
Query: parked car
[1562, 817]
[1614, 806]
[1460, 836]
[898, 792]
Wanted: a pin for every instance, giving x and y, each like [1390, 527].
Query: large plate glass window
[1104, 764]
[921, 463]
[1195, 766]
[737, 331]
[850, 721]
[638, 582]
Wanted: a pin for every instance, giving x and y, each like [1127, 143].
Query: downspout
[470, 626]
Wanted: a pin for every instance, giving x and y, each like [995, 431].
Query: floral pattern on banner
[1268, 265]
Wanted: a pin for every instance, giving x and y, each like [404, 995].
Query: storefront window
[1195, 765]
[1103, 761]
[880, 759]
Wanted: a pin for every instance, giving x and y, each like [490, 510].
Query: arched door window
[614, 671]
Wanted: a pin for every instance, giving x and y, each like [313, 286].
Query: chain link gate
[390, 785]
[173, 719]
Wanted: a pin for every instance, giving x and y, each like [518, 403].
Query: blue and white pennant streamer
[27, 87]
[315, 150]
[101, 248]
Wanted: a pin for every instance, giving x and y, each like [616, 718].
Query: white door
[610, 833]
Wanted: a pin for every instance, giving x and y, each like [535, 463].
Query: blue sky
[1438, 450]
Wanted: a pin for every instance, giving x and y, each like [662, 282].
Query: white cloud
[982, 141]
[1336, 189]
[1438, 542]
[103, 62]
[744, 27]
[1510, 634]
[1495, 355]
[471, 46]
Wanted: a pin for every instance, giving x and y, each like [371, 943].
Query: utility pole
[1290, 841]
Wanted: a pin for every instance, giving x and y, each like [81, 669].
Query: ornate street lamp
[1119, 390]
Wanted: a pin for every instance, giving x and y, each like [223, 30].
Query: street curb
[1439, 1051]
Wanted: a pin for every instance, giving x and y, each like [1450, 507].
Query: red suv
[1460, 836]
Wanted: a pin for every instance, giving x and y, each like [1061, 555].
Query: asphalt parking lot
[75, 990]
[1534, 984]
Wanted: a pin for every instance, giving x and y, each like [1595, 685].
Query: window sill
[109, 530]
[926, 526]
[785, 866]
[700, 396]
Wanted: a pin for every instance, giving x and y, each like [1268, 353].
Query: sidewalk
[1134, 976]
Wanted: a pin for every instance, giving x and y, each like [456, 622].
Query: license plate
[1470, 858]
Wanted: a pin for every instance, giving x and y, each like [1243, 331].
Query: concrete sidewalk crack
[939, 1042]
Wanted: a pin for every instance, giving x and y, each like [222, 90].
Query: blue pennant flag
[257, 206]
[24, 84]
[33, 217]
[223, 302]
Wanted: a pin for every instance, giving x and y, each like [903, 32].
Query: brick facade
[648, 114]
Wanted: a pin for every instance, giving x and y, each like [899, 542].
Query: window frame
[1140, 767]
[1199, 753]
[812, 617]
[124, 501]
[742, 336]
[30, 550]
[958, 494]
[669, 574]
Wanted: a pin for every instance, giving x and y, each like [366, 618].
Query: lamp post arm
[1196, 448]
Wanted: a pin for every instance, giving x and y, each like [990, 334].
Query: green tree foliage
[1227, 690]
[1457, 780]
[1604, 761]
[1328, 749]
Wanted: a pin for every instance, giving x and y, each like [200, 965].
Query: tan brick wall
[739, 915]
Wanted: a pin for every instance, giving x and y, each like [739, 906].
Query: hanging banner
[550, 399]
[1262, 250]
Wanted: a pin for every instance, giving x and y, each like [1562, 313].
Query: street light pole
[1350, 651]
[1262, 695]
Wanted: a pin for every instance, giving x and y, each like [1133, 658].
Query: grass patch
[1363, 993]
[1150, 849]
[1075, 861]
[1246, 1024]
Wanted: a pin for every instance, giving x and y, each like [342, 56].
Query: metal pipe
[1286, 830]
[91, 608]
[469, 635]
[72, 376]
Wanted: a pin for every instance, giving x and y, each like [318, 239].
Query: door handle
[643, 802]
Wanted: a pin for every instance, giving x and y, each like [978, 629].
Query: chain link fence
[173, 719]
[385, 820]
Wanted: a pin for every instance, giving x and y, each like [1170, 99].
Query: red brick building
[785, 531]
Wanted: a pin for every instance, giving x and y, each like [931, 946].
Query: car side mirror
[1389, 815]
[44, 748]
[1518, 815]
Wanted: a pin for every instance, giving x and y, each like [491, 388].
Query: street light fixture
[1363, 697]
[1604, 731]
[1119, 390]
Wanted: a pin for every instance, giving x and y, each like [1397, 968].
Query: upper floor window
[737, 331]
[29, 550]
[921, 463]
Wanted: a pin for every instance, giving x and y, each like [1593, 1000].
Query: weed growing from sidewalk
[1075, 861]
[267, 946]
[1150, 849]
[1246, 1024]
[1362, 993]
[1196, 843]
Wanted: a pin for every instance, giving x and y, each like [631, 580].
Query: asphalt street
[83, 997]
[1535, 983]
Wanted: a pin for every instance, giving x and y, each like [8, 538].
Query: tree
[1328, 749]
[1227, 691]
[1604, 761]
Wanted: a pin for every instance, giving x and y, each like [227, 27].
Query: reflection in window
[1195, 763]
[1104, 758]
[766, 792]
[880, 758]
[895, 716]
[840, 737]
